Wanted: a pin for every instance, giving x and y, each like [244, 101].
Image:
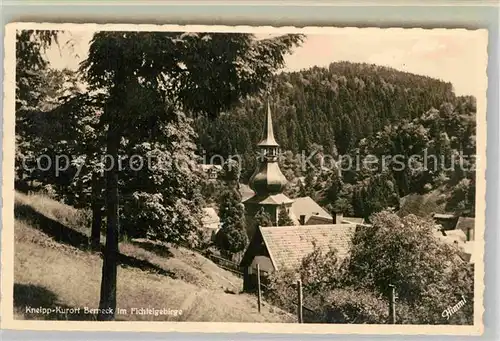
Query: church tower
[267, 181]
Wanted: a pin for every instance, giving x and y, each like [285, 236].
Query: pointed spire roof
[268, 140]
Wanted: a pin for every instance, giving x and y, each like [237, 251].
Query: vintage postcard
[244, 179]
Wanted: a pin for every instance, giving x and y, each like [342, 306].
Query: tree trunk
[95, 235]
[107, 304]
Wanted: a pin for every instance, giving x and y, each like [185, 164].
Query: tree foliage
[232, 237]
[198, 73]
[429, 276]
[161, 195]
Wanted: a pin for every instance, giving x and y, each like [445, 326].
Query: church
[278, 247]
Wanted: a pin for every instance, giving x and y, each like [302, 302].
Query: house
[283, 247]
[305, 211]
[212, 171]
[210, 221]
[246, 192]
[458, 238]
[467, 225]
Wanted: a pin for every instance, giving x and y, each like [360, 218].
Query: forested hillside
[357, 110]
[334, 107]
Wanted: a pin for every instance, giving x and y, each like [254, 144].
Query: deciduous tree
[201, 73]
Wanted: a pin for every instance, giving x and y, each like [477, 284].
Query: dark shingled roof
[288, 245]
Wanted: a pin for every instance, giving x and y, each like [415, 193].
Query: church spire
[268, 140]
[268, 178]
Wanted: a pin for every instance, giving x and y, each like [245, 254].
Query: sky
[452, 55]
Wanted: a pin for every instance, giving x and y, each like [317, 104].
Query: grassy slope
[53, 267]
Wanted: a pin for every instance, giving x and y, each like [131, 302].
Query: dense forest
[334, 107]
[357, 110]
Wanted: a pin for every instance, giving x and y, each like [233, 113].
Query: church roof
[288, 245]
[268, 140]
[308, 207]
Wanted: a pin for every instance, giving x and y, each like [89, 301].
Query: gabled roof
[307, 206]
[207, 167]
[465, 223]
[443, 216]
[210, 216]
[246, 192]
[288, 245]
[317, 219]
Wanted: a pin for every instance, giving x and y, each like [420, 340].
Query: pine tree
[231, 238]
[128, 64]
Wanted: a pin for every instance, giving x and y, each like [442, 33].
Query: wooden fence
[221, 262]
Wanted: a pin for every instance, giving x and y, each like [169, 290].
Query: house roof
[465, 223]
[443, 216]
[246, 192]
[308, 207]
[353, 220]
[288, 245]
[456, 235]
[207, 167]
[328, 220]
[458, 238]
[468, 251]
[210, 216]
[275, 199]
[268, 139]
[317, 219]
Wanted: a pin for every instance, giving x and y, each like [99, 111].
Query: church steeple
[268, 178]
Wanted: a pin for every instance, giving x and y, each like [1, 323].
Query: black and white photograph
[257, 178]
